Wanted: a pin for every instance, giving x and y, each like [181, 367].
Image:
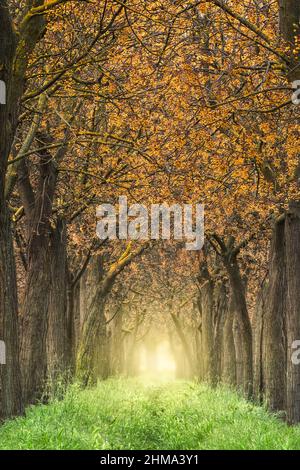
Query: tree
[14, 52]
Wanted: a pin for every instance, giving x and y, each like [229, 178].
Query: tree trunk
[93, 352]
[292, 237]
[242, 328]
[212, 305]
[10, 388]
[274, 337]
[220, 314]
[228, 367]
[258, 329]
[34, 322]
[58, 347]
[289, 18]
[239, 351]
[92, 356]
[38, 211]
[10, 382]
[206, 304]
[73, 320]
[289, 23]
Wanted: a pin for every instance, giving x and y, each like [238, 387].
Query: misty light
[157, 361]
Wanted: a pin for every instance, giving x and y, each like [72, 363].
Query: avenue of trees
[165, 102]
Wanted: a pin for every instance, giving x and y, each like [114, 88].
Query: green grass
[130, 414]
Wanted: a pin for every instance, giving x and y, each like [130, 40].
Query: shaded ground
[131, 414]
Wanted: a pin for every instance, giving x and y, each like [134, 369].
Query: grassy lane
[130, 414]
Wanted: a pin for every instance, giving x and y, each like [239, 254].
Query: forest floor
[137, 414]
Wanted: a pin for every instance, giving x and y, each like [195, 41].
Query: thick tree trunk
[92, 357]
[58, 347]
[10, 382]
[274, 337]
[38, 210]
[242, 329]
[10, 391]
[35, 321]
[212, 304]
[289, 20]
[292, 237]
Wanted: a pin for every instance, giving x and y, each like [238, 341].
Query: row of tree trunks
[271, 370]
[215, 341]
[227, 252]
[92, 359]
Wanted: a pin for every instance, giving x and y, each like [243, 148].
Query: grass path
[130, 414]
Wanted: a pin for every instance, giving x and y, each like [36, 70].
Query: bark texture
[274, 335]
[58, 345]
[10, 390]
[93, 352]
[292, 240]
[36, 303]
[228, 363]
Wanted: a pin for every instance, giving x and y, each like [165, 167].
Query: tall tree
[15, 52]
